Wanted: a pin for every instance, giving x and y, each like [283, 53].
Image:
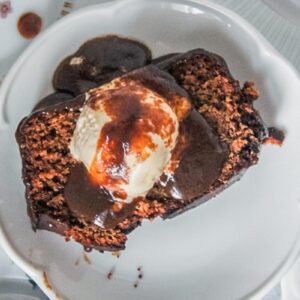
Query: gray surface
[15, 289]
[283, 34]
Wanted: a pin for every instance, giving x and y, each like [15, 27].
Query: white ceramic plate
[235, 246]
[12, 42]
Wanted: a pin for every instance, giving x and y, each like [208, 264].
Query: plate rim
[264, 47]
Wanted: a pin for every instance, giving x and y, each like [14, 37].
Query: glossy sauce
[127, 130]
[196, 160]
[99, 61]
[52, 99]
[133, 120]
[201, 157]
[88, 200]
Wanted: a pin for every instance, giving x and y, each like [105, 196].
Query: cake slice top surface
[192, 159]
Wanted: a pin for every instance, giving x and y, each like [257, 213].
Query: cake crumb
[86, 259]
[139, 277]
[272, 141]
[276, 137]
[136, 284]
[46, 281]
[110, 273]
[77, 262]
[116, 254]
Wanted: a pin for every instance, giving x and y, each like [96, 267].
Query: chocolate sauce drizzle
[199, 151]
[201, 160]
[93, 203]
[128, 131]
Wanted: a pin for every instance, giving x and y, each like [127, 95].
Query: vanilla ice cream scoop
[124, 136]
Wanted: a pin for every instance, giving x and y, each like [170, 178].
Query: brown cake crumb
[141, 273]
[86, 259]
[116, 254]
[250, 91]
[139, 277]
[276, 137]
[109, 275]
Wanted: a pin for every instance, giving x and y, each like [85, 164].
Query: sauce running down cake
[151, 139]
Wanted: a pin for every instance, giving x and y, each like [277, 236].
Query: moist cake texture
[226, 106]
[222, 113]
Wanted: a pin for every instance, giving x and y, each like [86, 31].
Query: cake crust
[44, 137]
